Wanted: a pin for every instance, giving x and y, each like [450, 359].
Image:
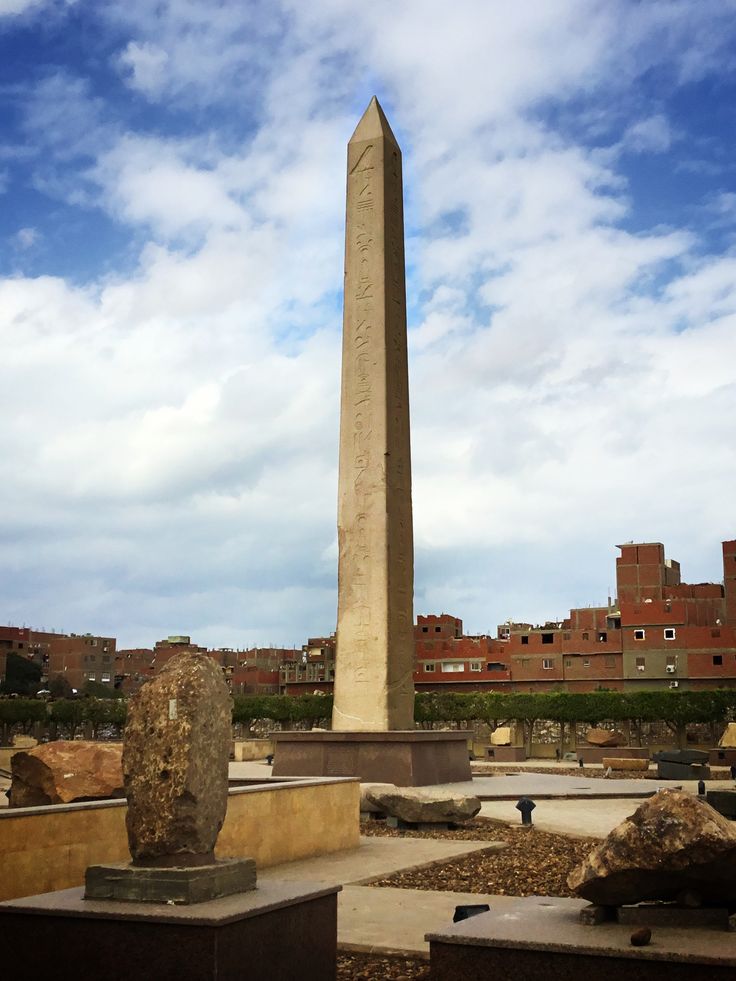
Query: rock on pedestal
[175, 763]
[672, 844]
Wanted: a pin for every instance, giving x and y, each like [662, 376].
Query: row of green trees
[676, 709]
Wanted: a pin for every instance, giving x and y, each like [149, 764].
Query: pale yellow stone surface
[501, 736]
[728, 739]
[51, 849]
[374, 689]
[245, 750]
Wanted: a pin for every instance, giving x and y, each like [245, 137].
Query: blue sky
[171, 229]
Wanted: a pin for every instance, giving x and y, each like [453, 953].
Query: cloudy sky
[171, 235]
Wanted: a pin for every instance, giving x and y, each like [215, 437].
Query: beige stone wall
[44, 849]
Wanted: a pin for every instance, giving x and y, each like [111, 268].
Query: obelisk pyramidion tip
[373, 125]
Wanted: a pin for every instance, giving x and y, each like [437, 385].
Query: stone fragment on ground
[624, 763]
[175, 761]
[65, 771]
[672, 844]
[604, 737]
[418, 806]
[366, 804]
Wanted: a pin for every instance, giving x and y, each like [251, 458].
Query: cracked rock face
[672, 844]
[421, 806]
[64, 771]
[175, 763]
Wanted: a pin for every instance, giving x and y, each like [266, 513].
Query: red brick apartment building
[253, 672]
[76, 657]
[660, 633]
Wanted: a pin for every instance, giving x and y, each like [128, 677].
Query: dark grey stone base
[182, 885]
[280, 931]
[667, 770]
[724, 801]
[414, 758]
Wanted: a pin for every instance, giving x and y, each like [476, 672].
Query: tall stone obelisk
[373, 735]
[374, 690]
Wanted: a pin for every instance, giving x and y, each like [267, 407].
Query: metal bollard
[526, 806]
[701, 788]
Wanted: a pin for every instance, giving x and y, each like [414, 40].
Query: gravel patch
[372, 967]
[534, 863]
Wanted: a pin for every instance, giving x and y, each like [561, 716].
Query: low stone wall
[251, 749]
[47, 848]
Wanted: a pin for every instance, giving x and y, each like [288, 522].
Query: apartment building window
[602, 636]
[568, 662]
[428, 666]
[437, 629]
[639, 634]
[475, 666]
[547, 663]
[105, 677]
[547, 638]
[449, 667]
[91, 676]
[586, 664]
[641, 663]
[585, 635]
[669, 633]
[566, 636]
[718, 658]
[525, 639]
[425, 630]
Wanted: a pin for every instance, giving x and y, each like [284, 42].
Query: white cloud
[174, 428]
[147, 66]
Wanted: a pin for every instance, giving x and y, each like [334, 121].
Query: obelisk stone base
[411, 758]
[280, 931]
[180, 885]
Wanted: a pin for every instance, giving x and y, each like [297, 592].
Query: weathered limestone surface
[673, 844]
[64, 771]
[604, 737]
[175, 762]
[374, 690]
[501, 736]
[421, 806]
[625, 763]
[728, 739]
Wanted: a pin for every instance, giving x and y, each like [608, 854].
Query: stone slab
[723, 801]
[540, 937]
[406, 758]
[625, 763]
[239, 938]
[722, 757]
[667, 770]
[197, 884]
[595, 754]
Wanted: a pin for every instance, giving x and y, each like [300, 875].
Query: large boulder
[64, 771]
[421, 806]
[604, 737]
[673, 843]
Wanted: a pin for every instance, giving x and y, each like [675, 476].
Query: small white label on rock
[172, 709]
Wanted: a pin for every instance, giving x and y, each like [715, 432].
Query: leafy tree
[22, 677]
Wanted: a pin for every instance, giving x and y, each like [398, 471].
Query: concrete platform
[375, 859]
[541, 936]
[550, 786]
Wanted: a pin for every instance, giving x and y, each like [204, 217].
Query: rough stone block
[191, 884]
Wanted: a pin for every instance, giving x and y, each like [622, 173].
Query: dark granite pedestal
[170, 884]
[279, 931]
[541, 937]
[412, 758]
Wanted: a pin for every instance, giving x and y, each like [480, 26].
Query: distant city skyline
[171, 263]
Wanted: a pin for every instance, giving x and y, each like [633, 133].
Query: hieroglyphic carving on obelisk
[374, 688]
